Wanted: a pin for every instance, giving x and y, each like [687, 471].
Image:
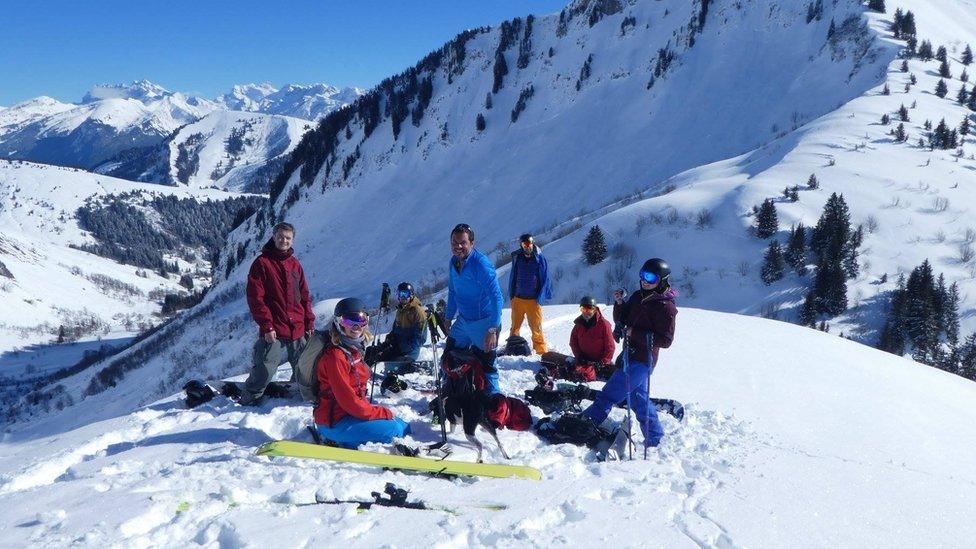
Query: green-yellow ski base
[291, 448]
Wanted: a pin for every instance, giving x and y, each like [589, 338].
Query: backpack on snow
[508, 412]
[517, 346]
[573, 429]
[306, 375]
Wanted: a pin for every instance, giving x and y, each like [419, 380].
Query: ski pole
[437, 382]
[372, 367]
[647, 414]
[630, 441]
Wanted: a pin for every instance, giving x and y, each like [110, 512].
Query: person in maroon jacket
[278, 298]
[648, 318]
[344, 415]
[592, 340]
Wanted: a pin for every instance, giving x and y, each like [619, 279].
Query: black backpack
[517, 346]
[573, 429]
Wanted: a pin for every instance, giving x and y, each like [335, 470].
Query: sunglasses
[403, 294]
[527, 244]
[587, 308]
[354, 320]
[649, 277]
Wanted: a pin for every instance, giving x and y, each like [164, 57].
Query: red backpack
[508, 412]
[463, 373]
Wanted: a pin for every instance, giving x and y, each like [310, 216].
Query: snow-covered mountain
[109, 120]
[309, 102]
[127, 124]
[779, 448]
[232, 150]
[47, 280]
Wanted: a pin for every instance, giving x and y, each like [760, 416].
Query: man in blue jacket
[529, 288]
[475, 299]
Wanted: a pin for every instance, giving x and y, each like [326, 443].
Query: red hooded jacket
[277, 294]
[343, 379]
[592, 340]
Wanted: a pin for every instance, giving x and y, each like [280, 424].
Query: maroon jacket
[592, 340]
[648, 313]
[277, 294]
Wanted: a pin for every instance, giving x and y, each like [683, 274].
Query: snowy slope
[570, 150]
[231, 150]
[51, 283]
[780, 447]
[896, 186]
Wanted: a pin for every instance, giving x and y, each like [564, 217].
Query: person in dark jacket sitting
[344, 415]
[649, 320]
[592, 340]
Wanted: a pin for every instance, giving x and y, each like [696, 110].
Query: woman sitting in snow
[649, 318]
[344, 415]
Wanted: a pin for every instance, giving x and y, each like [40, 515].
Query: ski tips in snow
[295, 449]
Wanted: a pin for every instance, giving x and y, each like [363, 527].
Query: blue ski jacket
[474, 293]
[544, 284]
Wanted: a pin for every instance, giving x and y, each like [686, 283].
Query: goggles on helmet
[354, 320]
[649, 277]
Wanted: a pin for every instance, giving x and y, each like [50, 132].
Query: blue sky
[62, 48]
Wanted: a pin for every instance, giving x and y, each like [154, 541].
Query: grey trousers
[266, 359]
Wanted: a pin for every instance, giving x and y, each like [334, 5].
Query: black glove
[618, 332]
[372, 355]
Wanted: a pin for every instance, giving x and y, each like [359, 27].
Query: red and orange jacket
[343, 380]
[277, 294]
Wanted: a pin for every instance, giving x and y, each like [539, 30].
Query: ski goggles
[404, 294]
[587, 309]
[354, 320]
[649, 277]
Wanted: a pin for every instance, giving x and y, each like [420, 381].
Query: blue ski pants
[616, 391]
[350, 432]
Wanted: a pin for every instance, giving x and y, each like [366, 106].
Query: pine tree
[911, 48]
[971, 104]
[885, 119]
[951, 314]
[61, 334]
[812, 182]
[908, 24]
[877, 5]
[900, 135]
[967, 56]
[964, 77]
[808, 312]
[830, 241]
[964, 126]
[967, 358]
[941, 54]
[912, 80]
[488, 103]
[772, 268]
[832, 29]
[896, 22]
[944, 71]
[962, 95]
[886, 90]
[904, 65]
[851, 266]
[796, 247]
[594, 246]
[479, 122]
[830, 288]
[903, 114]
[925, 51]
[941, 89]
[767, 222]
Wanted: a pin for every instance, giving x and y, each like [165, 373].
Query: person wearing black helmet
[344, 415]
[404, 342]
[529, 287]
[648, 318]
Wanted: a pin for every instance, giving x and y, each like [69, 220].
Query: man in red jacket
[592, 342]
[277, 295]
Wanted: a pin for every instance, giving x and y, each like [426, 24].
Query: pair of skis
[397, 497]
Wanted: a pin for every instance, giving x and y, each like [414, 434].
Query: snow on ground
[792, 438]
